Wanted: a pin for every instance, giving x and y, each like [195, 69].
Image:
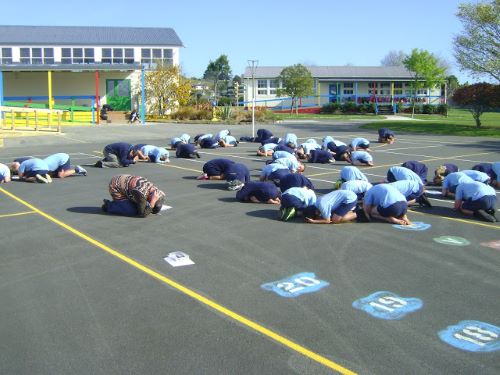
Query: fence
[19, 118]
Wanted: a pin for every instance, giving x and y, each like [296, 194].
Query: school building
[382, 85]
[80, 68]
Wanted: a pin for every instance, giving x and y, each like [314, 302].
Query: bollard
[58, 122]
[13, 125]
[36, 120]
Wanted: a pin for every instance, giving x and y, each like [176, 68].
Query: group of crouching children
[354, 198]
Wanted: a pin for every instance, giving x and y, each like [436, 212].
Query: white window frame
[6, 60]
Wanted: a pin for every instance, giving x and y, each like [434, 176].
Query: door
[118, 94]
[332, 93]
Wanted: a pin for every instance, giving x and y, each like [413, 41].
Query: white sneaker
[41, 179]
[48, 178]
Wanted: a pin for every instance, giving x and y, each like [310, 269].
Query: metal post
[143, 95]
[36, 120]
[1, 94]
[253, 66]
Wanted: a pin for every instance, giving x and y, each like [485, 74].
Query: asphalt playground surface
[83, 292]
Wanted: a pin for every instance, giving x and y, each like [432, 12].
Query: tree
[393, 58]
[477, 49]
[452, 84]
[218, 70]
[297, 82]
[425, 70]
[478, 98]
[166, 89]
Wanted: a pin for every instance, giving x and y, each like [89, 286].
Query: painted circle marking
[415, 226]
[452, 241]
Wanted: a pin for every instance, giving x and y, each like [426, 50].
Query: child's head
[301, 168]
[14, 167]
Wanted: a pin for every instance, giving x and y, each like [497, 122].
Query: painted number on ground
[473, 336]
[452, 241]
[416, 225]
[492, 244]
[387, 305]
[294, 286]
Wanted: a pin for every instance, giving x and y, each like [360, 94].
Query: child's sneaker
[41, 179]
[483, 215]
[48, 178]
[80, 170]
[288, 213]
[204, 176]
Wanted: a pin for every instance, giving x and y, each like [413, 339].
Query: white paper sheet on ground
[14, 178]
[178, 259]
[165, 207]
[433, 192]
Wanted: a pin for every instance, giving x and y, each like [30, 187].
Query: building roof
[69, 67]
[338, 72]
[88, 36]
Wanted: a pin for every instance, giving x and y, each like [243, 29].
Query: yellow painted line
[98, 152]
[189, 292]
[459, 220]
[17, 214]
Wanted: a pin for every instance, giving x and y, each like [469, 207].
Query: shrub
[350, 107]
[442, 109]
[367, 108]
[330, 108]
[428, 109]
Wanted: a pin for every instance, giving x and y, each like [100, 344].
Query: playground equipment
[20, 118]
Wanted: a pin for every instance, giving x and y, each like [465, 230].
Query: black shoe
[361, 216]
[483, 215]
[98, 164]
[197, 155]
[105, 205]
[424, 201]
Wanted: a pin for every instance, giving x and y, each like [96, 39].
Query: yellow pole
[49, 77]
[318, 92]
[392, 93]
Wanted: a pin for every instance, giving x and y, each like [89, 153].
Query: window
[422, 92]
[398, 92]
[262, 83]
[371, 92]
[36, 56]
[117, 55]
[408, 84]
[6, 56]
[348, 85]
[398, 85]
[348, 92]
[273, 85]
[77, 55]
[129, 55]
[48, 56]
[157, 55]
[106, 56]
[25, 56]
[385, 84]
[372, 84]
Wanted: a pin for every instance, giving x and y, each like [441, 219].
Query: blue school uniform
[419, 168]
[33, 166]
[361, 156]
[295, 180]
[358, 187]
[263, 134]
[155, 153]
[291, 164]
[122, 152]
[230, 140]
[185, 138]
[320, 156]
[360, 142]
[203, 136]
[222, 134]
[495, 168]
[349, 173]
[450, 168]
[454, 179]
[402, 173]
[283, 154]
[208, 143]
[476, 175]
[409, 188]
[385, 133]
[4, 172]
[217, 167]
[56, 162]
[309, 146]
[483, 167]
[337, 202]
[290, 138]
[282, 147]
[298, 197]
[271, 168]
[261, 190]
[185, 150]
[174, 141]
[237, 171]
[476, 196]
[268, 147]
[388, 200]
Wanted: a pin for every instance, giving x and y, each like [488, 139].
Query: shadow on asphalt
[87, 210]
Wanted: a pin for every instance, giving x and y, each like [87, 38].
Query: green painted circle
[452, 241]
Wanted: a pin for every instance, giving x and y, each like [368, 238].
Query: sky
[276, 33]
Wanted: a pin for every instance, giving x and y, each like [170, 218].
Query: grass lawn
[339, 117]
[459, 122]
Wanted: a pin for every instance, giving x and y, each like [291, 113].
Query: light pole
[252, 64]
